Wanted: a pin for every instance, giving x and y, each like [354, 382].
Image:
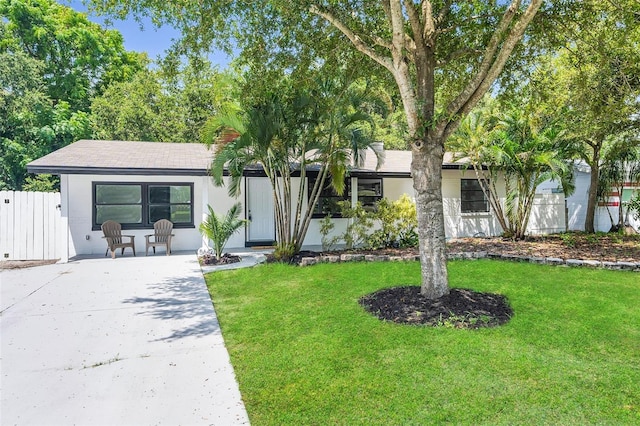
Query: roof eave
[72, 170]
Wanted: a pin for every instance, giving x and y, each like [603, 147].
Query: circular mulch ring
[461, 308]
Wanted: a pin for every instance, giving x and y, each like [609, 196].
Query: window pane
[119, 213]
[181, 213]
[176, 213]
[159, 194]
[328, 206]
[157, 212]
[369, 187]
[472, 198]
[180, 194]
[118, 194]
[169, 194]
[475, 206]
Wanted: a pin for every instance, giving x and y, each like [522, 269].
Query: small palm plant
[220, 228]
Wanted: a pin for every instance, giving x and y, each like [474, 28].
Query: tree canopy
[80, 57]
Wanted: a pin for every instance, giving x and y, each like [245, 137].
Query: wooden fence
[30, 226]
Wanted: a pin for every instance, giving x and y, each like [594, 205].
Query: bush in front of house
[219, 228]
[392, 224]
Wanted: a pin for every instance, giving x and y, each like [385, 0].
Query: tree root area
[461, 308]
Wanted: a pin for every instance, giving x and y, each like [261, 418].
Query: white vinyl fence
[30, 225]
[547, 215]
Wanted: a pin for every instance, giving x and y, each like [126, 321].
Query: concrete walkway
[131, 341]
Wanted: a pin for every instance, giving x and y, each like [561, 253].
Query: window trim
[144, 186]
[345, 197]
[377, 197]
[484, 198]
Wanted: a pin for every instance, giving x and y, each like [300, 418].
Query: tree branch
[458, 54]
[429, 29]
[444, 11]
[355, 39]
[496, 55]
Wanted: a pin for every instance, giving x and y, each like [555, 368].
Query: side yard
[305, 352]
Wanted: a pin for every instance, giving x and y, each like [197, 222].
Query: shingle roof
[92, 156]
[191, 159]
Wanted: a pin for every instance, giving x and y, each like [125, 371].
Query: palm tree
[526, 153]
[219, 229]
[286, 135]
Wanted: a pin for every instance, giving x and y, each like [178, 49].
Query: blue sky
[151, 40]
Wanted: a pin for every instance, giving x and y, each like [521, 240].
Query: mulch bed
[212, 260]
[461, 308]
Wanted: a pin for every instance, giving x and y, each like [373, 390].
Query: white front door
[260, 210]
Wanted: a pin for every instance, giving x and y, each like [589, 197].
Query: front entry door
[260, 211]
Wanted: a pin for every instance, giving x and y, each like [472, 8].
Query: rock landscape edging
[351, 257]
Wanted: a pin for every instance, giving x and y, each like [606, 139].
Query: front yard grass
[305, 352]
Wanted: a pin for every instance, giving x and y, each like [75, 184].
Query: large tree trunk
[592, 200]
[426, 169]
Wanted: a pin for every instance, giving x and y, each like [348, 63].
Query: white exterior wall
[458, 224]
[392, 189]
[576, 206]
[221, 202]
[313, 237]
[77, 210]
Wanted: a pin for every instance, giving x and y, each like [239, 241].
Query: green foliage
[53, 60]
[80, 58]
[32, 123]
[634, 206]
[398, 224]
[568, 239]
[318, 125]
[390, 224]
[284, 252]
[219, 229]
[568, 356]
[523, 148]
[164, 105]
[594, 80]
[326, 226]
[41, 183]
[360, 224]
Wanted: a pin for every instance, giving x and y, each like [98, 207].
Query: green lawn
[305, 352]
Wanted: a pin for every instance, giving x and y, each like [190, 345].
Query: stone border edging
[349, 257]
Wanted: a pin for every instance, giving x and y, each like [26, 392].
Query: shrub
[360, 225]
[397, 223]
[284, 252]
[220, 228]
[326, 226]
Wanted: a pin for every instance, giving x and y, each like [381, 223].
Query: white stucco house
[137, 183]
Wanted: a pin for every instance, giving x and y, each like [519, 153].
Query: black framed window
[139, 205]
[472, 197]
[369, 192]
[328, 202]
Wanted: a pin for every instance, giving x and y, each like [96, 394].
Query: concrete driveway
[131, 341]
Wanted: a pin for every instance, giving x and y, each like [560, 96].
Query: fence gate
[30, 225]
